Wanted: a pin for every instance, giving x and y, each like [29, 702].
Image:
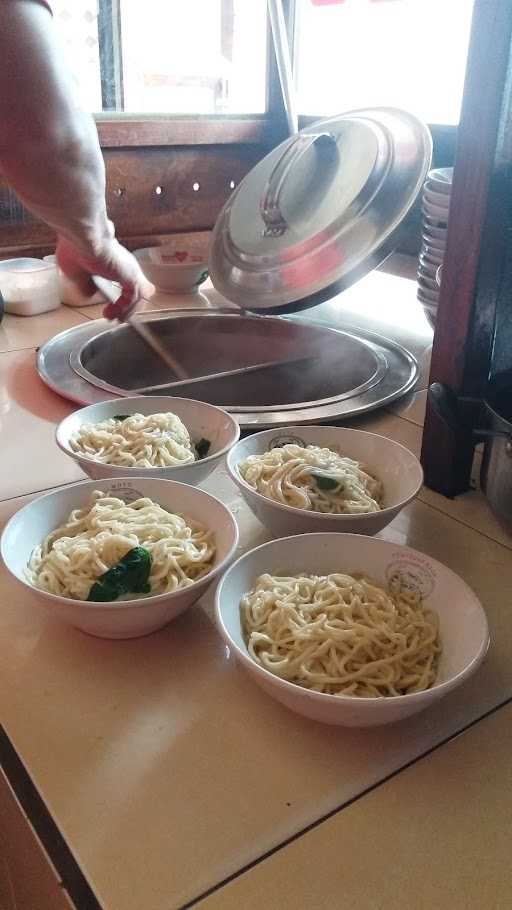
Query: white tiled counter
[164, 768]
[435, 836]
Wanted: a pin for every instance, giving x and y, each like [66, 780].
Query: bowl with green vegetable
[119, 558]
[306, 479]
[148, 436]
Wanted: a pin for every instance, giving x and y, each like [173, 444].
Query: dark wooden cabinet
[28, 880]
[473, 337]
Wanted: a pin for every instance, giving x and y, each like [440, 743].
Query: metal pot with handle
[496, 471]
[496, 474]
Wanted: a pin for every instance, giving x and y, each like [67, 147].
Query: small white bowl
[426, 295]
[435, 214]
[439, 234]
[463, 624]
[203, 421]
[427, 268]
[431, 255]
[441, 200]
[433, 242]
[440, 179]
[397, 468]
[425, 282]
[427, 271]
[117, 619]
[430, 311]
[170, 275]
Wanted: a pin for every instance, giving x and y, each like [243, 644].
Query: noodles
[313, 478]
[342, 634]
[136, 441]
[96, 537]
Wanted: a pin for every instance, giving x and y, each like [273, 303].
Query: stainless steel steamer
[321, 210]
[315, 374]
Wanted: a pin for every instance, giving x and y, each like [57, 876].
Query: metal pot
[496, 471]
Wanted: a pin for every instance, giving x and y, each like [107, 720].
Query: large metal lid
[319, 211]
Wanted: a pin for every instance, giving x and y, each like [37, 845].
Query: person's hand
[110, 260]
[51, 157]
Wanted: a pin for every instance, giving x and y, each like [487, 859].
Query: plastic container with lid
[29, 286]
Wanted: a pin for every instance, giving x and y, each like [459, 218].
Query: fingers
[131, 295]
[111, 261]
[122, 308]
[83, 282]
[71, 267]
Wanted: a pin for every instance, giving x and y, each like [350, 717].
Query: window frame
[132, 130]
[136, 130]
[166, 130]
[194, 138]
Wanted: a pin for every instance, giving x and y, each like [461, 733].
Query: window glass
[404, 53]
[194, 56]
[77, 24]
[167, 56]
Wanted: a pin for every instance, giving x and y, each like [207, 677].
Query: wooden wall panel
[125, 131]
[28, 880]
[156, 193]
[136, 206]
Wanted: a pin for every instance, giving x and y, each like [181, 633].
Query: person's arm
[50, 154]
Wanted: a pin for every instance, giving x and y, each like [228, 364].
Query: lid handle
[270, 208]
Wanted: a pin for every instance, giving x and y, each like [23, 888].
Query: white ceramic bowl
[434, 242]
[426, 282]
[427, 270]
[442, 200]
[399, 470]
[431, 255]
[430, 311]
[117, 619]
[440, 179]
[203, 421]
[434, 214]
[427, 295]
[172, 277]
[463, 624]
[437, 234]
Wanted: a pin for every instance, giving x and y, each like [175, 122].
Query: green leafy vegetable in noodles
[129, 576]
[203, 447]
[325, 481]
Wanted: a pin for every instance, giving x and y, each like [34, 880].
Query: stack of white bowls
[435, 209]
